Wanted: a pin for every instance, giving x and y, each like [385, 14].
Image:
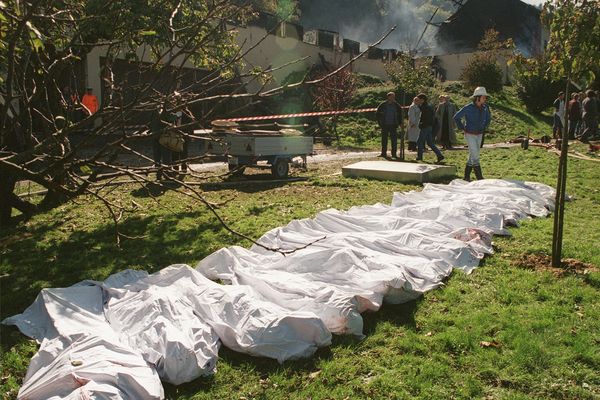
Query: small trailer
[256, 149]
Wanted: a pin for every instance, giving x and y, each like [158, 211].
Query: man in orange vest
[90, 101]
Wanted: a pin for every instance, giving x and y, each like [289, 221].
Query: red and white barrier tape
[308, 114]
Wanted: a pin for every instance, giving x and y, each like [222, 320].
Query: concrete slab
[399, 171]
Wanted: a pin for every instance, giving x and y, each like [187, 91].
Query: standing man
[559, 114]
[426, 123]
[590, 116]
[581, 126]
[444, 113]
[412, 133]
[477, 116]
[90, 101]
[574, 112]
[389, 116]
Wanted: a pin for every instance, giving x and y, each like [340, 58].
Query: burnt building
[514, 19]
[351, 46]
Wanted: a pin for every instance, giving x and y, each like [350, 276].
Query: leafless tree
[159, 60]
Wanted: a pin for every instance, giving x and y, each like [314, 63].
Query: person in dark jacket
[477, 116]
[427, 125]
[590, 116]
[389, 117]
[445, 134]
[574, 113]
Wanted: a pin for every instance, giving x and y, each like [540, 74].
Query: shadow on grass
[526, 118]
[253, 183]
[395, 314]
[29, 265]
[154, 189]
[265, 367]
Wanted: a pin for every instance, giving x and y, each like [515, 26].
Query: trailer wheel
[236, 170]
[280, 169]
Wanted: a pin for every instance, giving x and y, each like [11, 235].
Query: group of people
[424, 122]
[582, 113]
[443, 130]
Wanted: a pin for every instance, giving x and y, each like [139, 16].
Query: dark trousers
[161, 156]
[591, 126]
[426, 136]
[392, 132]
[573, 128]
[183, 155]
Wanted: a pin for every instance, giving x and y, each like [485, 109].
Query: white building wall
[272, 51]
[453, 64]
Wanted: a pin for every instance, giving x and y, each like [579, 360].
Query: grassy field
[503, 332]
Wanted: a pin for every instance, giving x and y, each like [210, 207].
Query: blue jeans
[426, 136]
[474, 143]
[557, 126]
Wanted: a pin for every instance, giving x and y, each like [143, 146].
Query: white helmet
[480, 91]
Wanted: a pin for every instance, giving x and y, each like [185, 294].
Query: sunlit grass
[545, 330]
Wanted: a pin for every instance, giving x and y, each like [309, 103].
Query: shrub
[482, 70]
[534, 88]
[411, 76]
[335, 92]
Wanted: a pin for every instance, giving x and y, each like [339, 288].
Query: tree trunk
[561, 185]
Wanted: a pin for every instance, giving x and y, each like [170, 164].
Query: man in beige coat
[446, 128]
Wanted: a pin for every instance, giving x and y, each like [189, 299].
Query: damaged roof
[511, 18]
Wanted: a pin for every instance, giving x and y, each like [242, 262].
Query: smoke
[367, 20]
[468, 25]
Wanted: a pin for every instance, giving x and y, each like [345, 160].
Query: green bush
[482, 70]
[534, 88]
[411, 76]
[371, 96]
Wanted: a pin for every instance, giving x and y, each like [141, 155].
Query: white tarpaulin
[169, 322]
[87, 366]
[361, 257]
[113, 339]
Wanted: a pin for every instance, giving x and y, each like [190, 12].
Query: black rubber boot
[478, 173]
[468, 170]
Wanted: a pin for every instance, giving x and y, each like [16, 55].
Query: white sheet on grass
[242, 321]
[87, 366]
[370, 254]
[169, 322]
[113, 339]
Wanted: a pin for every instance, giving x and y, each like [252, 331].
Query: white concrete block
[399, 171]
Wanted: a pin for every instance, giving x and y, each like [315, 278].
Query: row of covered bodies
[118, 338]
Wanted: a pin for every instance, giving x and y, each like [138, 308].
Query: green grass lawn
[543, 330]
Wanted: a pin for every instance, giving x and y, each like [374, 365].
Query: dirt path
[327, 155]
